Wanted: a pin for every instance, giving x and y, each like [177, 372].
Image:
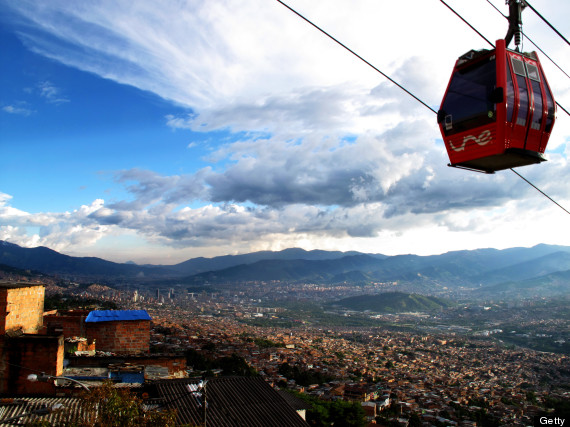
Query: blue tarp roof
[114, 315]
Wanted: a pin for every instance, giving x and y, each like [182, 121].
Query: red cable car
[498, 110]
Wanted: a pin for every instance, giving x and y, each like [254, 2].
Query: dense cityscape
[470, 364]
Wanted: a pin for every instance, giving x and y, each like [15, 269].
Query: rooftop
[16, 285]
[117, 315]
[231, 401]
[37, 409]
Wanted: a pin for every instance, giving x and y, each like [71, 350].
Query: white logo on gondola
[483, 139]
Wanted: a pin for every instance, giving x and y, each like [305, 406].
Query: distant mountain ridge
[49, 261]
[513, 270]
[461, 268]
[547, 264]
[200, 265]
[291, 269]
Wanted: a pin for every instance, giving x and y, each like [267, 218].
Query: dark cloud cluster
[320, 188]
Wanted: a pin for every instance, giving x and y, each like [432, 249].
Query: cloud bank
[322, 148]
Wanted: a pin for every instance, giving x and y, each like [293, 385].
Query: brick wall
[121, 337]
[21, 306]
[71, 322]
[29, 354]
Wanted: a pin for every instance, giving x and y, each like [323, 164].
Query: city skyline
[159, 134]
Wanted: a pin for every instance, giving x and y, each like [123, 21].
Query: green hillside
[393, 302]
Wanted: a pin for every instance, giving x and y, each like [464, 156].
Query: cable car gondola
[498, 110]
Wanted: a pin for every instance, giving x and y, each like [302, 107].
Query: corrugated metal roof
[231, 402]
[115, 315]
[28, 410]
[293, 401]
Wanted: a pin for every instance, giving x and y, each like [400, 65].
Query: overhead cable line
[357, 55]
[564, 109]
[470, 26]
[530, 40]
[542, 192]
[399, 85]
[23, 367]
[547, 23]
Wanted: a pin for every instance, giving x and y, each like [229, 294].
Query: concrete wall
[175, 363]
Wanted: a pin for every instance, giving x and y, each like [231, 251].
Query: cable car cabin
[497, 112]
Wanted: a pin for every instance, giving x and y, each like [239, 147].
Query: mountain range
[50, 262]
[542, 268]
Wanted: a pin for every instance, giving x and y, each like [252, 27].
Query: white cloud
[58, 231]
[51, 93]
[18, 110]
[8, 212]
[19, 236]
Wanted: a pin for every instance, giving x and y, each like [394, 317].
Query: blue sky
[74, 123]
[160, 132]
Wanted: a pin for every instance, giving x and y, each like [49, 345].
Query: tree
[415, 420]
[235, 365]
[197, 361]
[347, 414]
[337, 413]
[107, 406]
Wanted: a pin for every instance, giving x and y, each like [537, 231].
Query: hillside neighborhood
[439, 378]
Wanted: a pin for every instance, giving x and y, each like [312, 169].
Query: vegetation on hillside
[60, 302]
[394, 302]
